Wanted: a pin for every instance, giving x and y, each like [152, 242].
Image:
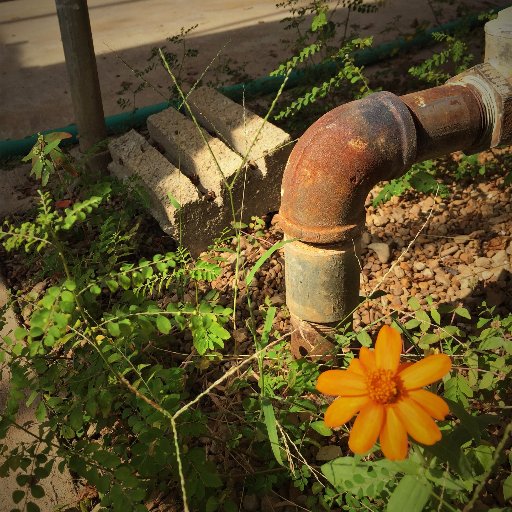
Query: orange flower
[388, 397]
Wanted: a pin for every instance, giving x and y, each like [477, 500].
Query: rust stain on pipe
[338, 160]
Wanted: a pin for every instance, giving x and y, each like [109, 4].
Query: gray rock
[382, 251]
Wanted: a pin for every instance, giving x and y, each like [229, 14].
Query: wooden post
[75, 30]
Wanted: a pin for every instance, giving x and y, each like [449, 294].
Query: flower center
[384, 386]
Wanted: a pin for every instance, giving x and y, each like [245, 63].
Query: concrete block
[201, 220]
[211, 163]
[196, 153]
[266, 146]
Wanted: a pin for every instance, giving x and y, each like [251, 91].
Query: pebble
[500, 258]
[428, 273]
[380, 220]
[382, 251]
[277, 300]
[418, 266]
[398, 272]
[449, 251]
[483, 262]
[366, 239]
[405, 266]
[428, 203]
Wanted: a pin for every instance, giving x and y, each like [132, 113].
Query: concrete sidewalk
[246, 35]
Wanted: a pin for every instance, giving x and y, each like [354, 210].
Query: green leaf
[32, 507]
[219, 331]
[486, 381]
[435, 316]
[18, 495]
[125, 281]
[271, 424]
[411, 495]
[414, 303]
[113, 329]
[164, 325]
[264, 257]
[458, 389]
[507, 488]
[175, 203]
[363, 478]
[108, 459]
[319, 21]
[321, 428]
[41, 412]
[112, 285]
[95, 289]
[20, 333]
[269, 320]
[424, 320]
[67, 296]
[69, 285]
[412, 324]
[51, 146]
[463, 312]
[76, 419]
[37, 491]
[212, 505]
[364, 339]
[424, 182]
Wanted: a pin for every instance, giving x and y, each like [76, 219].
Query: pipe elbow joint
[338, 160]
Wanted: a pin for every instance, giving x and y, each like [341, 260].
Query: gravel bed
[456, 250]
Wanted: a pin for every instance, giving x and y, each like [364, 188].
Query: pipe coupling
[494, 93]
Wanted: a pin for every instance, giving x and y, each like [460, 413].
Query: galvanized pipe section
[349, 150]
[445, 117]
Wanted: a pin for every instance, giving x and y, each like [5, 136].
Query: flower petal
[388, 348]
[367, 358]
[419, 425]
[366, 428]
[426, 371]
[393, 437]
[341, 383]
[433, 404]
[404, 365]
[357, 367]
[343, 409]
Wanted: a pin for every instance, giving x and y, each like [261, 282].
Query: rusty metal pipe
[445, 117]
[350, 149]
[329, 174]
